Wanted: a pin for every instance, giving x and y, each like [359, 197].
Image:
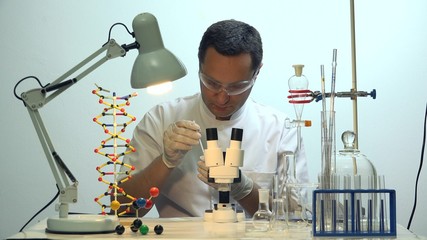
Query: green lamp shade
[154, 63]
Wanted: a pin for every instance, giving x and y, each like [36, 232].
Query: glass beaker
[298, 204]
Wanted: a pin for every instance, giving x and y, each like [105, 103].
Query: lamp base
[82, 224]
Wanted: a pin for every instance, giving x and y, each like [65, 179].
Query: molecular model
[114, 171]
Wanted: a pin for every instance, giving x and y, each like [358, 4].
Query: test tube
[358, 202]
[383, 219]
[334, 200]
[347, 199]
[371, 206]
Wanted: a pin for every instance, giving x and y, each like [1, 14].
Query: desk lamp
[153, 65]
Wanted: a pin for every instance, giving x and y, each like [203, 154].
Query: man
[167, 138]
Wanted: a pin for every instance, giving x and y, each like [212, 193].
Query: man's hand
[178, 139]
[203, 173]
[238, 190]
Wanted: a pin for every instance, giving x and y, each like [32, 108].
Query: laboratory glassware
[261, 218]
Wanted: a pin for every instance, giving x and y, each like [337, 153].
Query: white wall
[46, 38]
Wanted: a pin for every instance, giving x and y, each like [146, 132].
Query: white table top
[190, 228]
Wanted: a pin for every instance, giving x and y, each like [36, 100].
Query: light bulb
[160, 89]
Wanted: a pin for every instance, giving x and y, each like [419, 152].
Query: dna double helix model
[114, 171]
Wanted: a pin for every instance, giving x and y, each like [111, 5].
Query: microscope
[224, 171]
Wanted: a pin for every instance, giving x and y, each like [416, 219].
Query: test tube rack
[354, 213]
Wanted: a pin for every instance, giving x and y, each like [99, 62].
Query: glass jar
[350, 163]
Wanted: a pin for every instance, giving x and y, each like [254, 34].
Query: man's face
[225, 70]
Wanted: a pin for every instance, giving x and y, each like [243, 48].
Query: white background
[47, 38]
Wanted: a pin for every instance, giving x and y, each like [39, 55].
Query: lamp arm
[67, 189]
[113, 50]
[47, 148]
[37, 98]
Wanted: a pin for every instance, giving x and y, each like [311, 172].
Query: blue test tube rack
[354, 213]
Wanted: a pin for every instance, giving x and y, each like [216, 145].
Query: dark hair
[230, 38]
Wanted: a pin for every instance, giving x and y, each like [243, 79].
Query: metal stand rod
[354, 77]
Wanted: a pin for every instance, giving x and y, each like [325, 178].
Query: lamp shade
[154, 63]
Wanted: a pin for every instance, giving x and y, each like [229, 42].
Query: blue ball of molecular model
[141, 202]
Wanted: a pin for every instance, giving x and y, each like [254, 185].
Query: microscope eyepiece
[211, 134]
[237, 134]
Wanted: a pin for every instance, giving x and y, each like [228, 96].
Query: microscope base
[224, 215]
